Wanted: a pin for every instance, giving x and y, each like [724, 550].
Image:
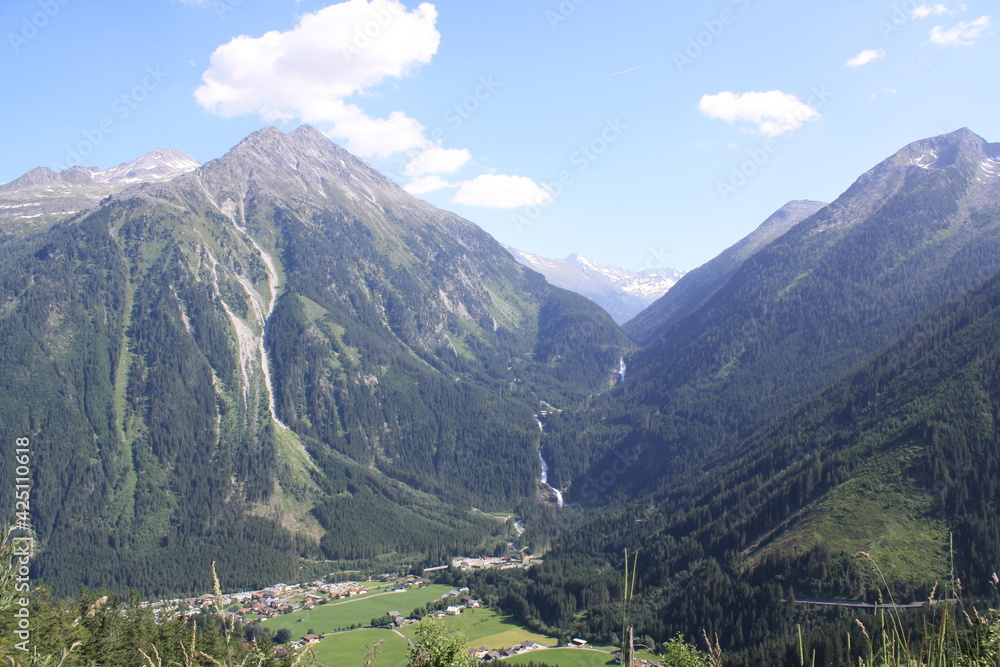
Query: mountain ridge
[324, 335]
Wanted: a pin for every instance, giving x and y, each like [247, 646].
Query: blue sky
[635, 132]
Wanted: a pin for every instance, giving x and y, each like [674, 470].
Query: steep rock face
[280, 354]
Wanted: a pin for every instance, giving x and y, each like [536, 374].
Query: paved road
[862, 605]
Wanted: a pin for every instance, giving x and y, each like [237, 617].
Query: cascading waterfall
[544, 477]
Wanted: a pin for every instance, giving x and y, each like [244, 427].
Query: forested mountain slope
[919, 228]
[699, 285]
[897, 459]
[279, 355]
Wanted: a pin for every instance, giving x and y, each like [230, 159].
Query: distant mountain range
[280, 359]
[43, 196]
[622, 293]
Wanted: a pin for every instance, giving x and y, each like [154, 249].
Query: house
[452, 610]
[578, 642]
[310, 639]
[491, 655]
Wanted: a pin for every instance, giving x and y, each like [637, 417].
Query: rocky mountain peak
[960, 146]
[302, 164]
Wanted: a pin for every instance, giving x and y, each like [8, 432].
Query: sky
[637, 133]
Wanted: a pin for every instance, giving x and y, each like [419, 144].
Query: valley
[287, 371]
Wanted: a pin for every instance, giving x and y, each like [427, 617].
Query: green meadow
[485, 627]
[349, 648]
[333, 616]
[564, 657]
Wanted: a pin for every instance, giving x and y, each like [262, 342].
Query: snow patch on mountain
[621, 292]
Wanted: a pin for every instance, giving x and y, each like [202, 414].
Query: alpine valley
[280, 359]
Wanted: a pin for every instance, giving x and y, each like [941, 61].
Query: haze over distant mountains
[283, 358]
[621, 292]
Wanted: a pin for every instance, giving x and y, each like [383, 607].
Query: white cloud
[310, 71]
[425, 184]
[773, 112]
[963, 33]
[865, 57]
[923, 11]
[499, 191]
[438, 160]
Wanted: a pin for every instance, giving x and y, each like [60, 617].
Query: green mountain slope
[280, 355]
[700, 284]
[919, 228]
[897, 460]
[886, 448]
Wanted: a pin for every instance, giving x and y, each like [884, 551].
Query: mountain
[706, 280]
[918, 229]
[278, 356]
[43, 196]
[837, 394]
[622, 293]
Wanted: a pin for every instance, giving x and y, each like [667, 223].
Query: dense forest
[282, 372]
[907, 440]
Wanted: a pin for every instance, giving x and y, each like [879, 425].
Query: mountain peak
[945, 150]
[36, 176]
[303, 164]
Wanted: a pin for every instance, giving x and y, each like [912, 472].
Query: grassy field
[485, 627]
[880, 512]
[481, 627]
[563, 657]
[333, 616]
[348, 648]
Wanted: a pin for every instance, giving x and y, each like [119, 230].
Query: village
[327, 616]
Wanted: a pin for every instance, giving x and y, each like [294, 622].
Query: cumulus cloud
[923, 11]
[773, 112]
[438, 160]
[499, 191]
[425, 184]
[865, 57]
[963, 33]
[310, 71]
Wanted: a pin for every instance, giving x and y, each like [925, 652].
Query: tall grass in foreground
[950, 636]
